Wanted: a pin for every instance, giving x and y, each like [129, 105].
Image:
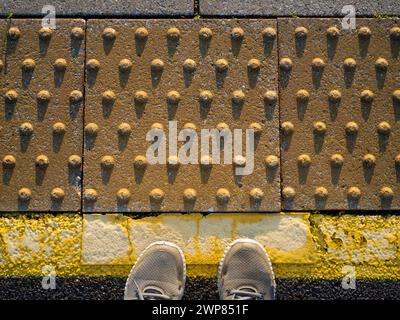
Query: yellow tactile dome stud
[319, 127]
[157, 65]
[77, 33]
[28, 64]
[334, 96]
[109, 34]
[60, 64]
[239, 160]
[9, 161]
[349, 64]
[205, 34]
[354, 193]
[304, 160]
[140, 162]
[107, 162]
[302, 95]
[141, 97]
[256, 194]
[189, 65]
[141, 33]
[74, 161]
[271, 161]
[269, 33]
[396, 95]
[254, 64]
[11, 96]
[24, 194]
[395, 33]
[109, 96]
[157, 195]
[237, 33]
[206, 161]
[384, 128]
[286, 64]
[386, 193]
[173, 97]
[333, 32]
[223, 196]
[14, 33]
[288, 193]
[26, 129]
[90, 195]
[91, 129]
[270, 96]
[42, 161]
[59, 128]
[287, 128]
[364, 32]
[257, 127]
[93, 65]
[125, 65]
[321, 193]
[43, 96]
[301, 32]
[351, 128]
[189, 125]
[75, 96]
[124, 129]
[318, 63]
[337, 160]
[238, 97]
[367, 96]
[45, 33]
[157, 126]
[369, 160]
[381, 64]
[173, 161]
[189, 194]
[206, 96]
[221, 65]
[173, 34]
[57, 194]
[123, 195]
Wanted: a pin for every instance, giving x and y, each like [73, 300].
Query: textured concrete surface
[339, 116]
[296, 8]
[207, 96]
[300, 245]
[99, 8]
[112, 288]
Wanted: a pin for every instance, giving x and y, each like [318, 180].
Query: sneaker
[158, 274]
[245, 272]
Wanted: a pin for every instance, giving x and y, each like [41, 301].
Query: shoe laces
[152, 293]
[246, 293]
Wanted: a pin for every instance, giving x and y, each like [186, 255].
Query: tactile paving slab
[204, 74]
[41, 125]
[340, 111]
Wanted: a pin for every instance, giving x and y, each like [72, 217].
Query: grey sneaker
[158, 274]
[245, 272]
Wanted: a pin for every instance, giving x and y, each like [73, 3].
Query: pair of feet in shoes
[245, 273]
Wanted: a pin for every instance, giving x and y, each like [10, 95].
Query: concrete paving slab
[296, 8]
[78, 8]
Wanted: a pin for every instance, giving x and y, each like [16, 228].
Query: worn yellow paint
[370, 243]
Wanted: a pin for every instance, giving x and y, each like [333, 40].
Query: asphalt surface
[111, 288]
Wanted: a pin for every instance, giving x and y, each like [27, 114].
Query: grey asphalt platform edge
[112, 288]
[315, 8]
[109, 8]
